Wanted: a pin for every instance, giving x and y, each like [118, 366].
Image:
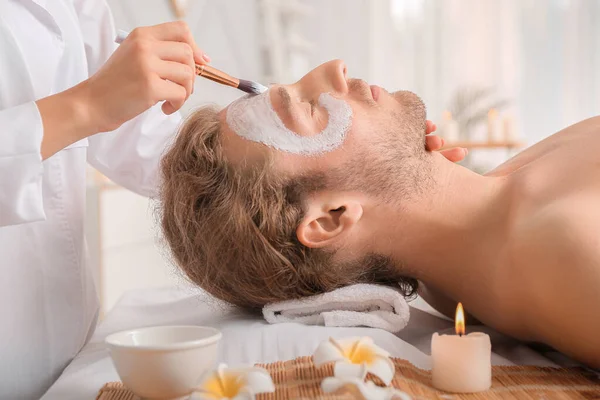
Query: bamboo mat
[300, 379]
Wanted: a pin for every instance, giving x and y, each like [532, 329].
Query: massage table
[248, 339]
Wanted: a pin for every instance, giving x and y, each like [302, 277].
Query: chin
[406, 97]
[411, 104]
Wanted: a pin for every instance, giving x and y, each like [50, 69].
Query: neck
[450, 235]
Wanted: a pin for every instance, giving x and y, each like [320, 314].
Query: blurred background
[497, 76]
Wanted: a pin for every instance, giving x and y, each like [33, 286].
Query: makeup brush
[215, 75]
[208, 72]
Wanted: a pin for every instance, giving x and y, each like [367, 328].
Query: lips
[375, 91]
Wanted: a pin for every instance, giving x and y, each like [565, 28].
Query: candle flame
[459, 323]
[493, 113]
[447, 115]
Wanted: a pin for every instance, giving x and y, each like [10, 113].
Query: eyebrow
[286, 100]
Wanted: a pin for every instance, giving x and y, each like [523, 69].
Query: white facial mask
[253, 118]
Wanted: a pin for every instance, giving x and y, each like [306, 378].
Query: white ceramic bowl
[163, 362]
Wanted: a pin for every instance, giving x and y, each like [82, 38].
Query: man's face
[381, 122]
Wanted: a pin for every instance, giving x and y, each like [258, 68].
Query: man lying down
[327, 183]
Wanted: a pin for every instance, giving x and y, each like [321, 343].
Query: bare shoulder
[560, 240]
[557, 256]
[593, 123]
[581, 132]
[586, 127]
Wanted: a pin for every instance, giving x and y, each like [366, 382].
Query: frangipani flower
[368, 390]
[354, 357]
[234, 383]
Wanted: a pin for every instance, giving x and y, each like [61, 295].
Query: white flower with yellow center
[358, 387]
[354, 357]
[234, 383]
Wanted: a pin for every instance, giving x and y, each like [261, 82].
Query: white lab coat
[48, 304]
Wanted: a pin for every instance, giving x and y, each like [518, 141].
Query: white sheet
[248, 339]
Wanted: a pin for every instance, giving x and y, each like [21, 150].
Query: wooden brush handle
[216, 75]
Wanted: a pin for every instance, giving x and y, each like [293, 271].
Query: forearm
[67, 117]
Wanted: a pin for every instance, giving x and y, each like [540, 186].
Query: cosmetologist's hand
[155, 63]
[435, 143]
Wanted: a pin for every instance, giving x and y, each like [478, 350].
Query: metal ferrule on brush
[214, 74]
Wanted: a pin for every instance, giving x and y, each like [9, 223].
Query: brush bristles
[251, 87]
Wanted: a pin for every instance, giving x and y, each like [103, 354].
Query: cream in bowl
[163, 362]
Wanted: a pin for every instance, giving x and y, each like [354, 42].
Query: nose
[327, 77]
[336, 72]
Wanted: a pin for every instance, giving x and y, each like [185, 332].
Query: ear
[327, 221]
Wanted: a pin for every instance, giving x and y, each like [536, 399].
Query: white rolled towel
[369, 305]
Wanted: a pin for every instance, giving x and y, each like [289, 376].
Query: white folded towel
[369, 305]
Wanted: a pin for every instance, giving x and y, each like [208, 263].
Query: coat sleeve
[130, 155]
[21, 169]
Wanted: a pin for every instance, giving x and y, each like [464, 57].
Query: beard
[394, 166]
[412, 108]
[409, 121]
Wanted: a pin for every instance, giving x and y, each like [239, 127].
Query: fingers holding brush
[178, 73]
[179, 31]
[153, 64]
[176, 55]
[177, 52]
[176, 43]
[174, 95]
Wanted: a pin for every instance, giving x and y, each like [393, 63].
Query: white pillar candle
[461, 363]
[494, 127]
[450, 129]
[510, 135]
